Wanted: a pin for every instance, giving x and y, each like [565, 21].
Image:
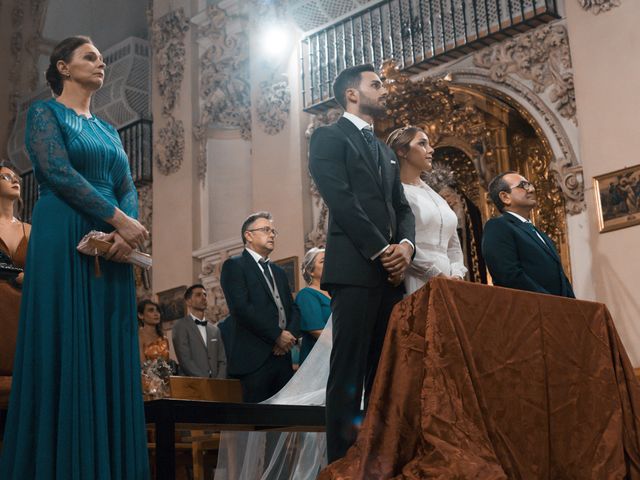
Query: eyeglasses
[10, 178]
[524, 184]
[265, 230]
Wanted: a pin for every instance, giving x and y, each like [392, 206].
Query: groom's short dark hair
[349, 78]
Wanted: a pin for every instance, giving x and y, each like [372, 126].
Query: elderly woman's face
[318, 266]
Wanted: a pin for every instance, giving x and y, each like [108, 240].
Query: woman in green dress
[313, 302]
[76, 408]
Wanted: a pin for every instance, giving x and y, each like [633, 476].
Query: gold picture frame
[290, 267]
[618, 198]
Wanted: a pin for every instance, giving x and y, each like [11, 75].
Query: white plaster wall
[229, 186]
[277, 160]
[607, 77]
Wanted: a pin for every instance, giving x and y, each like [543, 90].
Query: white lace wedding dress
[299, 455]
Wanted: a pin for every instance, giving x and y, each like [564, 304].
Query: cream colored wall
[604, 51]
[277, 160]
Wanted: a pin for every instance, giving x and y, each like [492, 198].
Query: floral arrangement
[439, 177]
[155, 377]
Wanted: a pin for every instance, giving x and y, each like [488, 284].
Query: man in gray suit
[197, 342]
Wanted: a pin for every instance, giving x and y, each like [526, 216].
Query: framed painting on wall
[618, 198]
[290, 267]
[172, 304]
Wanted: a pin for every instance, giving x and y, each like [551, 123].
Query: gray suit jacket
[195, 358]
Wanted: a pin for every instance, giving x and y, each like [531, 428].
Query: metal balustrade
[417, 34]
[136, 140]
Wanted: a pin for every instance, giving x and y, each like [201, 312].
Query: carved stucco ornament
[24, 39]
[168, 40]
[170, 148]
[225, 89]
[273, 106]
[541, 56]
[599, 6]
[571, 181]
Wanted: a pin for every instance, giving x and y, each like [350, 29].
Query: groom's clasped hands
[284, 343]
[395, 261]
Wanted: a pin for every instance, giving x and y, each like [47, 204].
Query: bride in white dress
[438, 251]
[300, 456]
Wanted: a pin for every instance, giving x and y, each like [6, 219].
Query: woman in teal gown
[313, 302]
[76, 410]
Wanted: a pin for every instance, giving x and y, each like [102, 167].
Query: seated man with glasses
[517, 254]
[264, 321]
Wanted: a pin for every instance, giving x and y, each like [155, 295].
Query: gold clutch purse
[95, 245]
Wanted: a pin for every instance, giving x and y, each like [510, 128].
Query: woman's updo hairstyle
[400, 139]
[63, 51]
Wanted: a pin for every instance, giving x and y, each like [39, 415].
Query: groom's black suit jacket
[367, 206]
[516, 258]
[253, 328]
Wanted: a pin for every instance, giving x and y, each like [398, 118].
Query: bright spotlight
[275, 40]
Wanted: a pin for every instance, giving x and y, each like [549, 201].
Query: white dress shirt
[360, 124]
[202, 328]
[524, 220]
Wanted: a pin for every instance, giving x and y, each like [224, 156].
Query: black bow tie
[202, 323]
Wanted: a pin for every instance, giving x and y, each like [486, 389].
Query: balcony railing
[417, 34]
[136, 140]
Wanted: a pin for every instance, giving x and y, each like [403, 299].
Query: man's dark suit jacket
[367, 209]
[253, 327]
[516, 258]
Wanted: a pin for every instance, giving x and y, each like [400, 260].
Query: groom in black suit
[517, 254]
[370, 243]
[264, 321]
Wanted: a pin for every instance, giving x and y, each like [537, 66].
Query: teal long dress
[76, 409]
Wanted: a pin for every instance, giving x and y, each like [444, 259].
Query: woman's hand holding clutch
[120, 250]
[129, 229]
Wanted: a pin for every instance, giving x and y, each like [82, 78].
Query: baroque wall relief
[24, 42]
[273, 105]
[532, 73]
[599, 6]
[168, 40]
[224, 81]
[540, 56]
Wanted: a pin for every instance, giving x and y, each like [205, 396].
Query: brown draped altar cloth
[488, 383]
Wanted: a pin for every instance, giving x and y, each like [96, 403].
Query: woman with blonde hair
[438, 251]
